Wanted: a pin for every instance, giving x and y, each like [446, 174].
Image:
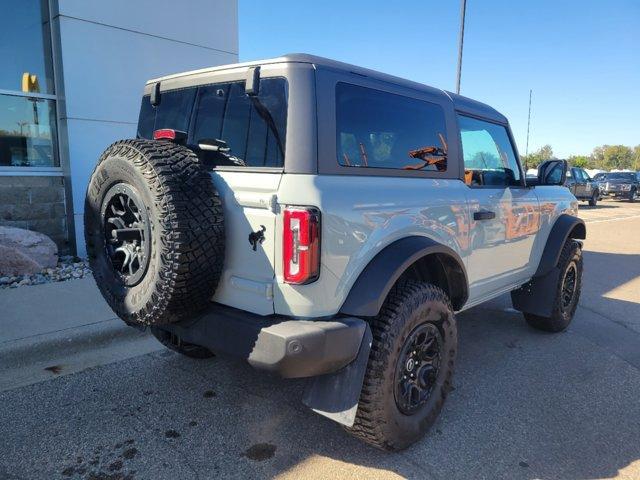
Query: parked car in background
[582, 186]
[622, 185]
[600, 179]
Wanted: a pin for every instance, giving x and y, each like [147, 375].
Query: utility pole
[526, 151]
[463, 8]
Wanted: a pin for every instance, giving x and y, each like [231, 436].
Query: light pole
[463, 8]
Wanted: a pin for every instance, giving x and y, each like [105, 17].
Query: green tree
[615, 156]
[636, 158]
[536, 158]
[580, 161]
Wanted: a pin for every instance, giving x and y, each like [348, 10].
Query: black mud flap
[538, 295]
[336, 395]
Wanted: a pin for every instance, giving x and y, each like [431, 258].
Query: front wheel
[567, 292]
[593, 201]
[410, 366]
[633, 196]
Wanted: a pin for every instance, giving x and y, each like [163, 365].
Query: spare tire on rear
[154, 231]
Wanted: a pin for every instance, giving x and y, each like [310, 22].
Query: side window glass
[489, 159]
[249, 131]
[376, 129]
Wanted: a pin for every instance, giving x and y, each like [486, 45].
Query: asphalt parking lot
[526, 405]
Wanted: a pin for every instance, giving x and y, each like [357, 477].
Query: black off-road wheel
[567, 292]
[154, 231]
[593, 201]
[410, 366]
[633, 195]
[175, 343]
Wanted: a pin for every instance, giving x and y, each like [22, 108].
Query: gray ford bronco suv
[326, 221]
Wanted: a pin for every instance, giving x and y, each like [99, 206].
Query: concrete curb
[45, 356]
[67, 341]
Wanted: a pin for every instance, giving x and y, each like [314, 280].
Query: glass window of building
[27, 105]
[25, 44]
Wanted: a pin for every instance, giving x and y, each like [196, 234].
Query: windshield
[630, 177]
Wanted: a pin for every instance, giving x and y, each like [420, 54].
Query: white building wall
[107, 51]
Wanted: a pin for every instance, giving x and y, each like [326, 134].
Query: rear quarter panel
[361, 215]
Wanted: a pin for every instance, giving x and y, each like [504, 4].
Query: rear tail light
[170, 134]
[301, 245]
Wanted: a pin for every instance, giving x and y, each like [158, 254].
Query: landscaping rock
[14, 262]
[69, 268]
[23, 249]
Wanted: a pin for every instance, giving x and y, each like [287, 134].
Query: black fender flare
[566, 226]
[376, 280]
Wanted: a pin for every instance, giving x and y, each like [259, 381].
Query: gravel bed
[68, 268]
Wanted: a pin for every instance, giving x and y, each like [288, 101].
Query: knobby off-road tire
[173, 342]
[178, 231]
[570, 265]
[593, 201]
[409, 308]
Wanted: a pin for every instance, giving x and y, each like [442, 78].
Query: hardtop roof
[460, 103]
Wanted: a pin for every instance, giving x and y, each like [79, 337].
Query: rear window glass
[147, 118]
[376, 129]
[173, 112]
[175, 109]
[246, 131]
[252, 129]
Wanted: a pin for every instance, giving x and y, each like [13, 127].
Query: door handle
[484, 215]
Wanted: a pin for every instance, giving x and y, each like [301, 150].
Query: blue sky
[581, 58]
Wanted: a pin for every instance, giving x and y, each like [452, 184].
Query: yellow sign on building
[30, 83]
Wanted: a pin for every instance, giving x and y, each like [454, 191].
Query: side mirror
[552, 172]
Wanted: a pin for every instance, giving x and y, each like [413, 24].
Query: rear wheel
[410, 366]
[593, 201]
[567, 291]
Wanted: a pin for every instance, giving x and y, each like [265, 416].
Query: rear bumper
[291, 348]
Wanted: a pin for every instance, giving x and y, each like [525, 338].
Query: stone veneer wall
[35, 203]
